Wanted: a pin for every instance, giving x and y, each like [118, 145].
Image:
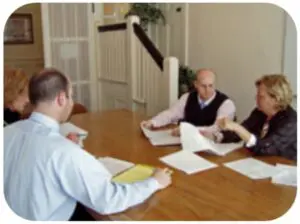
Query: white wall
[290, 56]
[240, 42]
[171, 38]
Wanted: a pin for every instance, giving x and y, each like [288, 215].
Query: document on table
[252, 168]
[286, 175]
[161, 137]
[193, 141]
[169, 140]
[187, 162]
[115, 166]
[137, 173]
[68, 127]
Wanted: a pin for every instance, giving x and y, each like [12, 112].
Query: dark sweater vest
[202, 117]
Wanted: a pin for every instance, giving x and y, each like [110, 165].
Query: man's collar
[46, 120]
[207, 101]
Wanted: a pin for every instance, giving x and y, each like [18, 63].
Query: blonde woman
[15, 94]
[271, 128]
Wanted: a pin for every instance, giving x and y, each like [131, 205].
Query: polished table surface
[216, 194]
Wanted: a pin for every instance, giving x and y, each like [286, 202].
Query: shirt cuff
[154, 123]
[153, 184]
[202, 128]
[251, 142]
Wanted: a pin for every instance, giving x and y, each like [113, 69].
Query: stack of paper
[67, 128]
[134, 174]
[115, 166]
[193, 141]
[188, 162]
[286, 175]
[252, 168]
[161, 137]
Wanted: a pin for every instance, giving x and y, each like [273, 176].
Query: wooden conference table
[216, 194]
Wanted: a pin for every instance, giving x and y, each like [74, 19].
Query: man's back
[31, 151]
[46, 175]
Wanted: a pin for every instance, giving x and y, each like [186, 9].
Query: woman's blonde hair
[15, 82]
[278, 88]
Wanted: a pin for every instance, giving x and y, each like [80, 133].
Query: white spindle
[125, 59]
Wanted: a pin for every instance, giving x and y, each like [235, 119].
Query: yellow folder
[137, 173]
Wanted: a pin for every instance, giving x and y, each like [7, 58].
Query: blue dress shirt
[45, 175]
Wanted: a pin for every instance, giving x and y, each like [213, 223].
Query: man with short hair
[201, 107]
[47, 176]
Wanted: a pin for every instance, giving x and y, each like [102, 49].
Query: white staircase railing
[128, 56]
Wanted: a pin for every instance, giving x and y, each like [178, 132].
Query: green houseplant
[149, 13]
[186, 79]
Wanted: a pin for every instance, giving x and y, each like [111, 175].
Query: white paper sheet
[252, 168]
[223, 149]
[155, 134]
[161, 137]
[193, 141]
[115, 166]
[170, 140]
[188, 162]
[68, 127]
[286, 175]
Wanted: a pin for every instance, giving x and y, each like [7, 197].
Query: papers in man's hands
[252, 168]
[137, 173]
[193, 141]
[161, 137]
[115, 166]
[187, 161]
[286, 175]
[68, 127]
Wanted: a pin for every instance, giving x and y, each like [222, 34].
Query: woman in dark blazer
[271, 128]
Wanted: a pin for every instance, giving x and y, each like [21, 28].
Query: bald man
[201, 107]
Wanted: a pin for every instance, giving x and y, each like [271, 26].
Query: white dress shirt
[176, 112]
[45, 174]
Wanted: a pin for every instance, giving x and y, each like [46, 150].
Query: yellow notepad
[137, 173]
